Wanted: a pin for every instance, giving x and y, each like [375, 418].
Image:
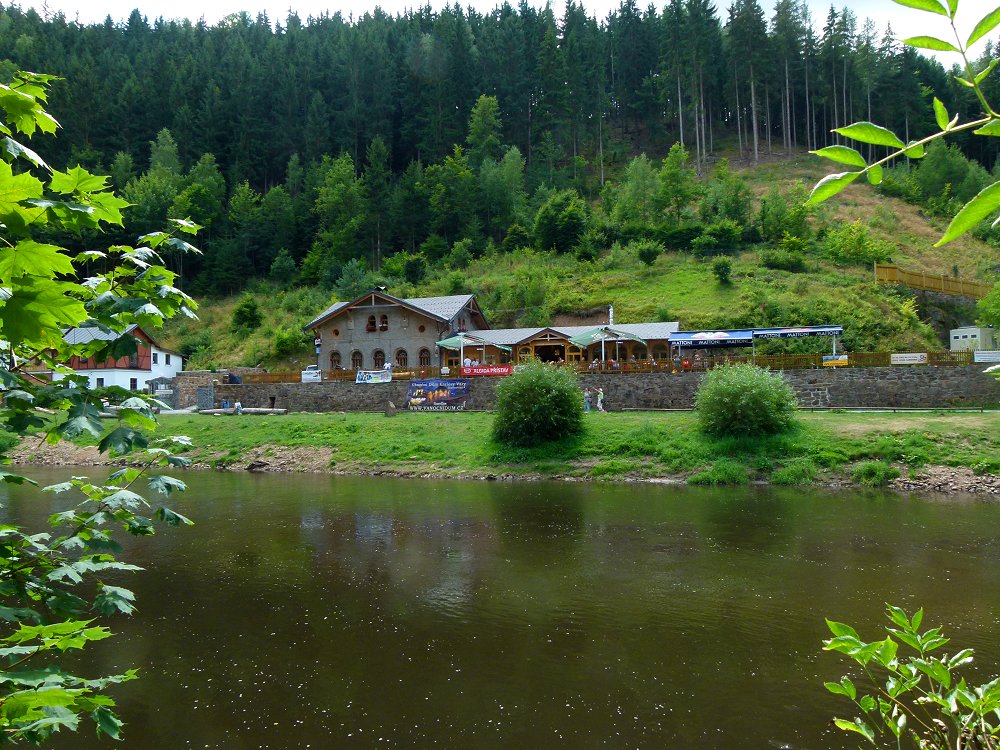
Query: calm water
[317, 612]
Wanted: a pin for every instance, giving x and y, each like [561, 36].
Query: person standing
[588, 397]
[600, 399]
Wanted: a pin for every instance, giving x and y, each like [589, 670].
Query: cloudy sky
[905, 22]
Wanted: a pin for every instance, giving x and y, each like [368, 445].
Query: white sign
[373, 376]
[909, 358]
[164, 391]
[985, 356]
[312, 376]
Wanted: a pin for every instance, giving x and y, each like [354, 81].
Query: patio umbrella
[602, 334]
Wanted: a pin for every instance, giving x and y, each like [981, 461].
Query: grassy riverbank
[825, 448]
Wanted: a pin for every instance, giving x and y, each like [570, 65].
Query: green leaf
[856, 726]
[30, 258]
[914, 151]
[875, 174]
[931, 42]
[830, 186]
[844, 687]
[984, 27]
[973, 212]
[918, 617]
[842, 155]
[166, 484]
[931, 6]
[112, 599]
[987, 70]
[867, 703]
[869, 132]
[940, 114]
[77, 180]
[16, 150]
[990, 128]
[107, 723]
[839, 629]
[886, 651]
[173, 519]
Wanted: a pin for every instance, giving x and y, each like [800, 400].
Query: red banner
[489, 371]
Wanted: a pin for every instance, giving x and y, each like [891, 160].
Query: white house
[133, 373]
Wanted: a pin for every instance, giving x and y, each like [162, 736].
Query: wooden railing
[931, 282]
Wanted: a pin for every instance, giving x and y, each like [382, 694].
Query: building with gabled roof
[377, 328]
[150, 361]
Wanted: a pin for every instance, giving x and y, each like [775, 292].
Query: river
[308, 611]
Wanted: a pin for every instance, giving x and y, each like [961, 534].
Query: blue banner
[437, 395]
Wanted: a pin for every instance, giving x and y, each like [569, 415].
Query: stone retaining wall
[903, 387]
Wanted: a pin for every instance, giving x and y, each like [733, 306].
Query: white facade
[972, 337]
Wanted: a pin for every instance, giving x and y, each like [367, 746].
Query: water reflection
[320, 612]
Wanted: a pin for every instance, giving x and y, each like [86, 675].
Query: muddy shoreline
[936, 480]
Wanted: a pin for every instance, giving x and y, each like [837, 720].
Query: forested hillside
[540, 161]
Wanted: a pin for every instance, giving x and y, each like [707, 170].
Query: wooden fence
[930, 282]
[666, 366]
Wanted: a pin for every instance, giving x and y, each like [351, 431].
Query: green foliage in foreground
[53, 584]
[744, 400]
[874, 473]
[908, 692]
[538, 404]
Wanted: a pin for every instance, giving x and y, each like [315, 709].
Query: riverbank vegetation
[823, 449]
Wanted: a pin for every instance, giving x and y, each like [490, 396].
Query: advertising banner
[909, 358]
[437, 395]
[487, 371]
[985, 356]
[838, 360]
[373, 376]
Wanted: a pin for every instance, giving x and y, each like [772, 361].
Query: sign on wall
[908, 358]
[487, 371]
[373, 376]
[835, 360]
[981, 355]
[437, 395]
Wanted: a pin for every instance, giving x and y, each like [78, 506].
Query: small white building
[972, 337]
[132, 373]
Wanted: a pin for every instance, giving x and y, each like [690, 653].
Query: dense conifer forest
[333, 150]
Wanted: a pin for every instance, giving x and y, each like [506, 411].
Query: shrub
[291, 341]
[744, 400]
[719, 238]
[723, 269]
[851, 244]
[246, 314]
[590, 245]
[723, 471]
[461, 254]
[875, 473]
[678, 237]
[783, 260]
[517, 236]
[538, 404]
[648, 251]
[796, 471]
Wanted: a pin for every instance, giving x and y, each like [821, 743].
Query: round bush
[537, 404]
[744, 400]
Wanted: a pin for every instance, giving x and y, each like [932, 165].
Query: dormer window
[383, 323]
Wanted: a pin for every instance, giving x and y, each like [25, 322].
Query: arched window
[383, 323]
[371, 327]
[378, 359]
[401, 358]
[425, 358]
[335, 360]
[356, 360]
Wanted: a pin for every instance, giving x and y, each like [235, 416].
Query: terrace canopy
[459, 341]
[705, 339]
[602, 334]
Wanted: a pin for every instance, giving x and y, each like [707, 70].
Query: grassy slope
[676, 287]
[822, 448]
